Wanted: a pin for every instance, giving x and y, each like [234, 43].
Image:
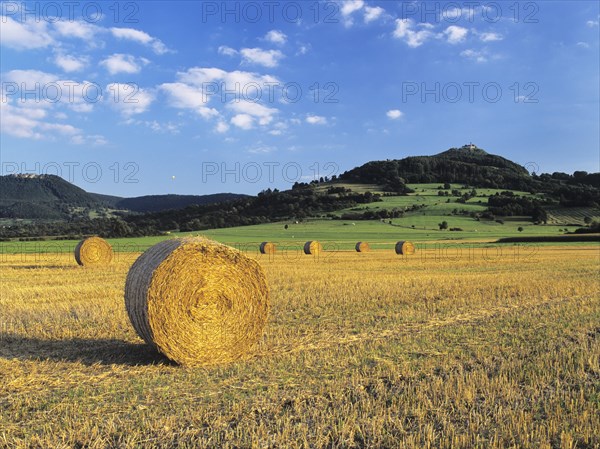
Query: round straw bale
[405, 248]
[93, 251]
[362, 247]
[313, 247]
[267, 248]
[197, 301]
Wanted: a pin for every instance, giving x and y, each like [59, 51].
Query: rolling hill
[50, 197]
[467, 184]
[158, 203]
[467, 165]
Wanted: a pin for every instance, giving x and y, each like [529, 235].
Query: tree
[443, 225]
[447, 186]
[285, 227]
[587, 220]
[520, 229]
[539, 215]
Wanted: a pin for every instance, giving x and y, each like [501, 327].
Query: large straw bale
[197, 301]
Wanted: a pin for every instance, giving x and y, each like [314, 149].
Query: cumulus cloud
[373, 13]
[141, 37]
[262, 113]
[24, 36]
[121, 63]
[490, 37]
[32, 34]
[77, 29]
[266, 58]
[184, 96]
[475, 55]
[70, 63]
[316, 120]
[48, 90]
[348, 8]
[27, 79]
[455, 14]
[222, 127]
[243, 121]
[394, 114]
[129, 99]
[32, 123]
[276, 37]
[227, 51]
[455, 34]
[196, 88]
[405, 30]
[28, 123]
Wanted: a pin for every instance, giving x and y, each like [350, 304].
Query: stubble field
[362, 350]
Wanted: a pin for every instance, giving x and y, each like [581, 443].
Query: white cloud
[452, 14]
[227, 51]
[155, 126]
[27, 79]
[27, 123]
[394, 114]
[490, 37]
[183, 96]
[373, 13]
[405, 31]
[222, 127]
[243, 121]
[262, 113]
[266, 58]
[583, 44]
[278, 129]
[456, 34]
[262, 149]
[316, 120]
[475, 55]
[455, 14]
[592, 23]
[276, 37]
[120, 63]
[348, 7]
[24, 36]
[196, 88]
[49, 91]
[141, 37]
[199, 76]
[129, 100]
[69, 63]
[94, 139]
[77, 29]
[303, 49]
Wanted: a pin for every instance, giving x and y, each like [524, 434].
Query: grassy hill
[419, 226]
[466, 189]
[42, 197]
[466, 165]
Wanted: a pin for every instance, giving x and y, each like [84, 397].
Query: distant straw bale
[267, 248]
[313, 247]
[93, 251]
[405, 248]
[362, 247]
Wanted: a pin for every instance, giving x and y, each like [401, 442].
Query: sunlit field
[362, 350]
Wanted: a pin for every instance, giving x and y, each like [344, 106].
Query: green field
[419, 226]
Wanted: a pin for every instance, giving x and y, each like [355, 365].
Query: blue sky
[136, 98]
